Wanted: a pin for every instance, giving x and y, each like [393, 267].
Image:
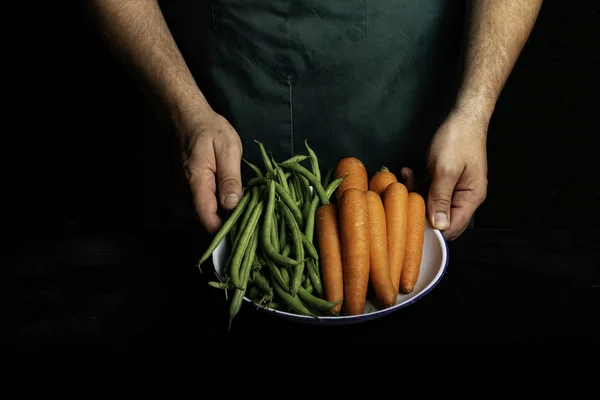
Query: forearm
[137, 32]
[497, 32]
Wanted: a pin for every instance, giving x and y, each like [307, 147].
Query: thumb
[439, 199]
[229, 181]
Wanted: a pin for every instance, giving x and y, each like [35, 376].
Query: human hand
[457, 164]
[212, 156]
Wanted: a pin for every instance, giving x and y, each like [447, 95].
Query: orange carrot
[380, 270]
[354, 229]
[356, 175]
[415, 237]
[395, 204]
[381, 180]
[330, 253]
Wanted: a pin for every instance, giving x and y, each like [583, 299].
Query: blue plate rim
[347, 320]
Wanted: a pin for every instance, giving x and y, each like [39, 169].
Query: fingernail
[440, 220]
[231, 200]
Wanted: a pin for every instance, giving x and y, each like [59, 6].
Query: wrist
[476, 105]
[188, 112]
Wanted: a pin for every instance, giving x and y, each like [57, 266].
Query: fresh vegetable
[395, 198]
[225, 228]
[330, 252]
[415, 236]
[381, 180]
[291, 248]
[356, 175]
[354, 229]
[380, 270]
[297, 245]
[273, 256]
[240, 250]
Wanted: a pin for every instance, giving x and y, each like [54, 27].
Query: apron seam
[230, 43]
[292, 117]
[287, 81]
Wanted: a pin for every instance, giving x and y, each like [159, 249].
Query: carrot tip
[407, 289]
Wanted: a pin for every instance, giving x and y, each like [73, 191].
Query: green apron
[365, 78]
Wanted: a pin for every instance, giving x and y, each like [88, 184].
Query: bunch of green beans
[273, 260]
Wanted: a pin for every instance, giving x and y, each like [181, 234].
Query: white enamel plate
[433, 266]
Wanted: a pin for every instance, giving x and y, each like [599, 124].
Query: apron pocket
[291, 38]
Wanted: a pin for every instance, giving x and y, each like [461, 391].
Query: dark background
[80, 138]
[76, 191]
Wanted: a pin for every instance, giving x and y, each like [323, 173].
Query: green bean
[292, 301]
[232, 234]
[249, 257]
[276, 276]
[292, 190]
[313, 274]
[308, 197]
[287, 250]
[225, 229]
[297, 245]
[275, 234]
[328, 177]
[316, 302]
[241, 227]
[298, 189]
[285, 196]
[264, 298]
[275, 305]
[256, 170]
[309, 224]
[262, 283]
[256, 263]
[305, 281]
[309, 247]
[220, 285]
[297, 158]
[265, 158]
[285, 274]
[255, 193]
[280, 175]
[254, 292]
[268, 226]
[261, 259]
[239, 292]
[235, 305]
[282, 234]
[314, 161]
[245, 239]
[311, 178]
[333, 186]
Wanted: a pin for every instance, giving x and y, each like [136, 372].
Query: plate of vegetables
[339, 249]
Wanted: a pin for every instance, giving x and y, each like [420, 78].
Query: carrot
[415, 236]
[381, 180]
[354, 229]
[356, 175]
[330, 253]
[395, 204]
[379, 269]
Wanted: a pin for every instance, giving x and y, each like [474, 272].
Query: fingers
[439, 199]
[214, 175]
[408, 178]
[229, 176]
[460, 217]
[203, 187]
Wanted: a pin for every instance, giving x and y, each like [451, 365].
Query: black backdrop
[77, 130]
